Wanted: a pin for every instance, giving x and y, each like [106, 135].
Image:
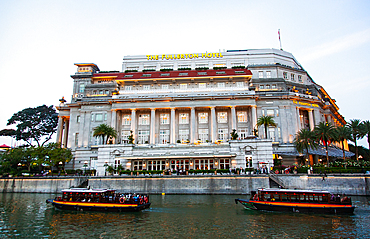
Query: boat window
[284, 198]
[267, 197]
[294, 198]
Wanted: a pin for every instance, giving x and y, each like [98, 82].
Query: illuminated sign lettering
[184, 56]
[304, 103]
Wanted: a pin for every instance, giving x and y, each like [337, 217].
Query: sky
[41, 40]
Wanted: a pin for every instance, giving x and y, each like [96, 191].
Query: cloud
[338, 45]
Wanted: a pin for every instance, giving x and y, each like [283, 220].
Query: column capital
[133, 109]
[173, 108]
[152, 109]
[212, 107]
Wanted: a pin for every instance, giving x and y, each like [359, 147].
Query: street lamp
[85, 166]
[105, 166]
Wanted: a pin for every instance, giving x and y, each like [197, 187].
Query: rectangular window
[165, 118]
[164, 136]
[268, 74]
[92, 117]
[240, 84]
[144, 119]
[279, 133]
[126, 120]
[183, 135]
[143, 136]
[223, 134]
[82, 88]
[105, 116]
[98, 117]
[78, 119]
[285, 75]
[146, 87]
[267, 87]
[262, 87]
[292, 77]
[273, 86]
[270, 113]
[165, 87]
[242, 133]
[221, 84]
[222, 117]
[272, 133]
[242, 116]
[260, 74]
[183, 86]
[124, 136]
[184, 118]
[300, 79]
[76, 139]
[203, 135]
[128, 87]
[202, 85]
[203, 118]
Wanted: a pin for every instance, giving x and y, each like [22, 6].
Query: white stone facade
[181, 111]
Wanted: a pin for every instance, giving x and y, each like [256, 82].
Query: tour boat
[86, 199]
[294, 200]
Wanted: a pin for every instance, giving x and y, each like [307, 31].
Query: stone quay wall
[190, 184]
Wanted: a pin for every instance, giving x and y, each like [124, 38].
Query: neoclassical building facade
[181, 109]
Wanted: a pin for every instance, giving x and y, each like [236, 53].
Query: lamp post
[85, 166]
[105, 166]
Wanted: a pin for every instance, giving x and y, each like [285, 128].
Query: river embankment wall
[190, 184]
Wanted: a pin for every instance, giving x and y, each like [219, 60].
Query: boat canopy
[273, 190]
[87, 190]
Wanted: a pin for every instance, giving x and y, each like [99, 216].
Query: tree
[342, 133]
[57, 155]
[131, 138]
[105, 131]
[234, 135]
[355, 127]
[37, 124]
[325, 133]
[266, 121]
[366, 130]
[304, 140]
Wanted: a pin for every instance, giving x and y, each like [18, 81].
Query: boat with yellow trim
[86, 199]
[294, 200]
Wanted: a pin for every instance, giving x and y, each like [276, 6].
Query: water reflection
[193, 216]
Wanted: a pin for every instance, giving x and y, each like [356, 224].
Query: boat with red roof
[294, 200]
[86, 199]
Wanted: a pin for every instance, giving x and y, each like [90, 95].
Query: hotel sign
[304, 103]
[184, 56]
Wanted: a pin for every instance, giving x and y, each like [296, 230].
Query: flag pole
[281, 48]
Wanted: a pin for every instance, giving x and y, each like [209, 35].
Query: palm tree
[366, 130]
[342, 133]
[325, 133]
[266, 121]
[355, 127]
[105, 131]
[304, 140]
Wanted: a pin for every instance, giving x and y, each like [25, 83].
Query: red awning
[5, 146]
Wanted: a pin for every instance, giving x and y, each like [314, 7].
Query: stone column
[310, 119]
[192, 125]
[298, 120]
[60, 130]
[213, 125]
[233, 119]
[152, 126]
[114, 122]
[254, 117]
[173, 127]
[65, 136]
[133, 124]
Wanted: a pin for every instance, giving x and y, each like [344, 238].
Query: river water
[175, 216]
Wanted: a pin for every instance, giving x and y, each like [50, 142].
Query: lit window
[203, 118]
[221, 84]
[223, 134]
[146, 87]
[270, 112]
[240, 84]
[222, 117]
[98, 117]
[107, 92]
[128, 87]
[184, 118]
[268, 74]
[144, 119]
[242, 116]
[202, 85]
[260, 74]
[183, 86]
[165, 87]
[100, 92]
[126, 120]
[165, 118]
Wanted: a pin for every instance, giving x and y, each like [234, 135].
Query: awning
[177, 156]
[321, 151]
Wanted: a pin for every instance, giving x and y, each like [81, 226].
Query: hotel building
[182, 108]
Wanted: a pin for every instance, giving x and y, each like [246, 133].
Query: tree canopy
[105, 131]
[33, 124]
[304, 140]
[266, 121]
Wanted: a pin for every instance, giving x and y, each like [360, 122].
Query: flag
[279, 33]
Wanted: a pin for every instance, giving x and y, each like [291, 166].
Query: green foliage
[355, 127]
[33, 124]
[234, 135]
[131, 138]
[184, 69]
[325, 132]
[201, 68]
[166, 69]
[304, 140]
[365, 131]
[238, 67]
[127, 71]
[342, 134]
[147, 70]
[266, 121]
[219, 68]
[105, 131]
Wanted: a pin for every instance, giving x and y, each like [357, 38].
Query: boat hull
[297, 207]
[102, 207]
